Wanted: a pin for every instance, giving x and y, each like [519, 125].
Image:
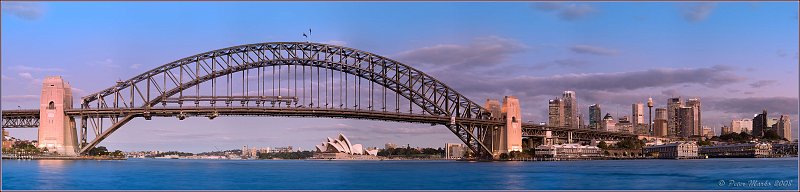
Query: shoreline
[62, 158]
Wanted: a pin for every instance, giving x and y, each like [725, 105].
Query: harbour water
[174, 174]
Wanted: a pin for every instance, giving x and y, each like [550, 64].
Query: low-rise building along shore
[738, 150]
[678, 150]
[568, 151]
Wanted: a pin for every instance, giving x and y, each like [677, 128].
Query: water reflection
[52, 173]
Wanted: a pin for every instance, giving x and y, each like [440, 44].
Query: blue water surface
[166, 174]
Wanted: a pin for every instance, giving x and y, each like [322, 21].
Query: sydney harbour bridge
[286, 79]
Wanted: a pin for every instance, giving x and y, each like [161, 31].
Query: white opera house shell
[342, 146]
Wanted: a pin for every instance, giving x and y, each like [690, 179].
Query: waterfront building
[595, 116]
[570, 109]
[660, 124]
[555, 113]
[742, 125]
[784, 127]
[567, 151]
[673, 108]
[287, 149]
[678, 150]
[760, 124]
[454, 150]
[785, 148]
[608, 123]
[738, 150]
[637, 114]
[390, 146]
[341, 148]
[7, 142]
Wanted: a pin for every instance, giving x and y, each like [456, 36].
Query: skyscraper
[570, 109]
[673, 107]
[784, 126]
[609, 124]
[637, 114]
[690, 118]
[760, 124]
[650, 118]
[660, 123]
[555, 113]
[595, 116]
[742, 125]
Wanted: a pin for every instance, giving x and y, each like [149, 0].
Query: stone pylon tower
[511, 135]
[57, 131]
[508, 138]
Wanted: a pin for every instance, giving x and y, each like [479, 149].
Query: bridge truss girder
[171, 86]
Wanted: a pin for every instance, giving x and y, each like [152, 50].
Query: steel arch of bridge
[171, 86]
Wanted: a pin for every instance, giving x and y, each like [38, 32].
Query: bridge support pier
[57, 131]
[569, 137]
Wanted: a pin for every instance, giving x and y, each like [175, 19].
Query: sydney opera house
[342, 148]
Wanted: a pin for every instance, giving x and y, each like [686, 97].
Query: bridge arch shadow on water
[292, 79]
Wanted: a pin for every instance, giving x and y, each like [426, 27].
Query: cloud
[576, 11]
[670, 92]
[622, 81]
[17, 98]
[570, 12]
[753, 105]
[594, 50]
[781, 53]
[547, 6]
[36, 69]
[24, 10]
[762, 83]
[105, 63]
[135, 66]
[697, 11]
[28, 77]
[485, 51]
[571, 62]
[335, 42]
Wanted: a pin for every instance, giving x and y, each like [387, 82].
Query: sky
[737, 57]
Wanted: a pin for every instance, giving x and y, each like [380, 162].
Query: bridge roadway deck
[529, 130]
[265, 111]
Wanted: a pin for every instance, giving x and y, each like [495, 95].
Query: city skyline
[681, 49]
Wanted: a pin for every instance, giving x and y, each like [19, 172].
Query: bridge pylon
[57, 131]
[506, 138]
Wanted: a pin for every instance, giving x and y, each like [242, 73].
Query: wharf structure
[738, 150]
[568, 151]
[678, 150]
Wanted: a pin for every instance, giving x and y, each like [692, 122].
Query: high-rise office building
[689, 118]
[570, 109]
[595, 116]
[760, 125]
[725, 130]
[660, 123]
[784, 127]
[637, 114]
[673, 108]
[742, 125]
[555, 113]
[609, 124]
